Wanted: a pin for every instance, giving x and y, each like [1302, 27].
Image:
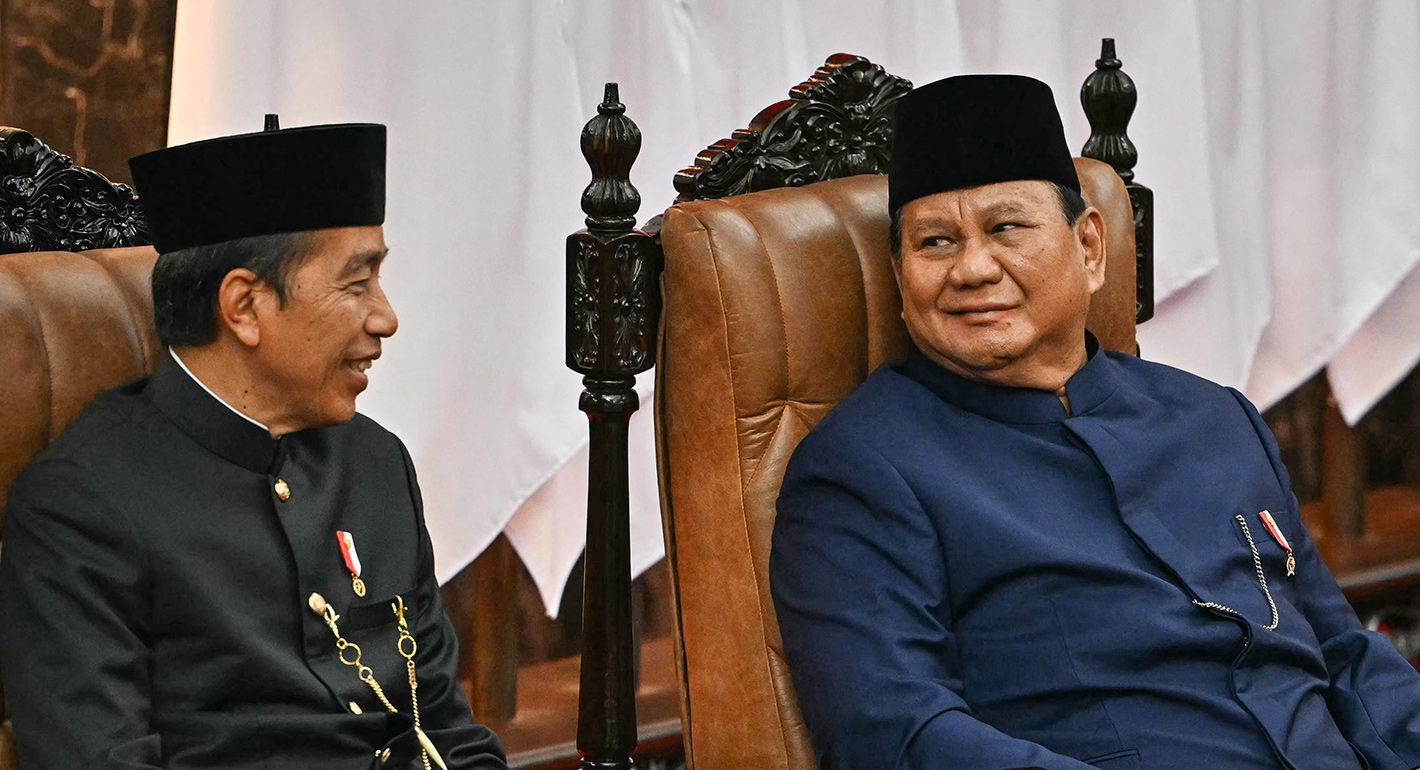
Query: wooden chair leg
[482, 604]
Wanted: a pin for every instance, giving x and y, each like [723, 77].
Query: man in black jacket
[224, 565]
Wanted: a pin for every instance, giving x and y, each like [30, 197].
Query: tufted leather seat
[75, 325]
[776, 305]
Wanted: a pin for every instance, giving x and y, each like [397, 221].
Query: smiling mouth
[982, 310]
[361, 366]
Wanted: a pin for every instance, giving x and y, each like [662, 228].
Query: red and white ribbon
[348, 553]
[1272, 529]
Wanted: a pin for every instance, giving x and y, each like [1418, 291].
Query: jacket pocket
[374, 613]
[1118, 760]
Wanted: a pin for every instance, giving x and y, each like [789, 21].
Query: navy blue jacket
[968, 578]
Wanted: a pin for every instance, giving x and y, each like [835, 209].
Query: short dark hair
[1072, 205]
[185, 281]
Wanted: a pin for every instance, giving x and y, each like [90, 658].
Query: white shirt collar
[200, 384]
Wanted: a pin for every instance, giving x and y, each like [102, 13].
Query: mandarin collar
[209, 422]
[1087, 389]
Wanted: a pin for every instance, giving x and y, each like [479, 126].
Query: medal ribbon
[1276, 533]
[347, 552]
[352, 560]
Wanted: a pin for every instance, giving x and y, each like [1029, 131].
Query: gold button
[317, 603]
[385, 755]
[283, 490]
[355, 708]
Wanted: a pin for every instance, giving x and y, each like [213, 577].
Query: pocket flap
[1119, 760]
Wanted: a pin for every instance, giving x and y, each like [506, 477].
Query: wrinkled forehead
[1019, 196]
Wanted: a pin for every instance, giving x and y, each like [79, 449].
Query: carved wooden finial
[1109, 98]
[1107, 58]
[273, 123]
[610, 143]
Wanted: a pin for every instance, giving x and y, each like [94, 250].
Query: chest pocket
[366, 614]
[1251, 561]
[373, 626]
[1121, 760]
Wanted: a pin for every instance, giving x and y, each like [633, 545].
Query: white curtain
[1280, 140]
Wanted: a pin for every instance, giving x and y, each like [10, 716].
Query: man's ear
[240, 301]
[1090, 230]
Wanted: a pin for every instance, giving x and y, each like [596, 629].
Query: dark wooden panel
[542, 735]
[90, 77]
[1388, 435]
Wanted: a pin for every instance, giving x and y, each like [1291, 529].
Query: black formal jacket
[155, 588]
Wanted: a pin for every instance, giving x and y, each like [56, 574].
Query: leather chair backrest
[74, 325]
[776, 305]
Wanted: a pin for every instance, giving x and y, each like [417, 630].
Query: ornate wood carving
[837, 123]
[613, 303]
[48, 203]
[1109, 98]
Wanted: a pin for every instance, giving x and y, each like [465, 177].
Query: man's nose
[975, 265]
[382, 321]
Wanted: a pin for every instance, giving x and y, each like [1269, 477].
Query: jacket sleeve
[860, 586]
[74, 644]
[444, 712]
[1375, 693]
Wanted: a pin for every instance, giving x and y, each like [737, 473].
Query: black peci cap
[972, 130]
[280, 181]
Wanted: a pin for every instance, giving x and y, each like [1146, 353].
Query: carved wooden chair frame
[838, 123]
[50, 204]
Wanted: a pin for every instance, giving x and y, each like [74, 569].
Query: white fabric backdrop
[1280, 140]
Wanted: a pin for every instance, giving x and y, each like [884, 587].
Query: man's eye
[935, 242]
[1005, 227]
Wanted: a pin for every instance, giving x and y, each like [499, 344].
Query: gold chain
[350, 654]
[1261, 581]
[405, 636]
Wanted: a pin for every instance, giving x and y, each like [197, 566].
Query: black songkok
[281, 181]
[972, 130]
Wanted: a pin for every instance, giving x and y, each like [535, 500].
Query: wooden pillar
[1109, 98]
[1343, 475]
[613, 303]
[482, 604]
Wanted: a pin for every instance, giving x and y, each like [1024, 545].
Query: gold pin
[357, 585]
[283, 490]
[317, 604]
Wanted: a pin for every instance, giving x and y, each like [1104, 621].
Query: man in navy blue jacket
[1015, 550]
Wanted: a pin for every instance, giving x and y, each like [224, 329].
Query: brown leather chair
[75, 324]
[776, 305]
